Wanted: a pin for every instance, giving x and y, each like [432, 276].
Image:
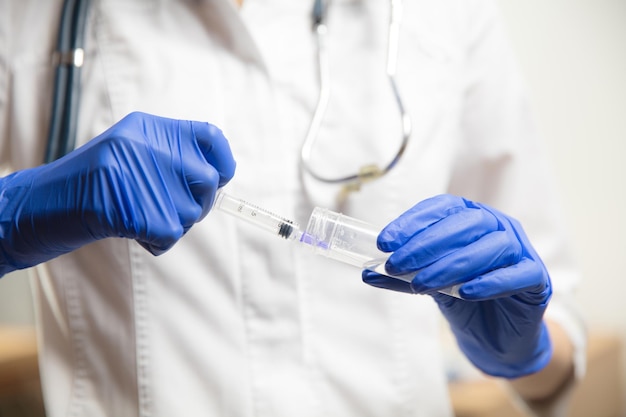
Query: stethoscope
[371, 171]
[69, 59]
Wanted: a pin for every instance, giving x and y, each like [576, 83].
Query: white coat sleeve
[502, 164]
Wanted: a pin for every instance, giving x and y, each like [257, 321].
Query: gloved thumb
[216, 150]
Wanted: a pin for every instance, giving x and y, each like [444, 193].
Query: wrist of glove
[146, 178]
[504, 286]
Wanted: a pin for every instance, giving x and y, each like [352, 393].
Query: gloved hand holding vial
[476, 262]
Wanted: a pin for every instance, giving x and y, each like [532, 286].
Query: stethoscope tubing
[66, 94]
[370, 171]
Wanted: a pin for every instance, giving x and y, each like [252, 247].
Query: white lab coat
[233, 321]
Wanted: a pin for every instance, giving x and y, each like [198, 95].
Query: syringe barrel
[256, 215]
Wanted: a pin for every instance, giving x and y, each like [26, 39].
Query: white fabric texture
[232, 321]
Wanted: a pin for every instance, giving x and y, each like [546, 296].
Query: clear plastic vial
[343, 238]
[351, 241]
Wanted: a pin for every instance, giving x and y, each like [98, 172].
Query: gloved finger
[201, 178]
[157, 153]
[440, 239]
[492, 251]
[418, 218]
[156, 250]
[216, 150]
[382, 281]
[526, 276]
[203, 186]
[161, 235]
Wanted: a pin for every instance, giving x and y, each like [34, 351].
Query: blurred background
[573, 55]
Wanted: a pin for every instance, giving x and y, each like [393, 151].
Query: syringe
[257, 216]
[330, 234]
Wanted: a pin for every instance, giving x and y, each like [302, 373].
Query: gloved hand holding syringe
[328, 233]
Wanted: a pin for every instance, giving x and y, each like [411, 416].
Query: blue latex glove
[448, 240]
[146, 178]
